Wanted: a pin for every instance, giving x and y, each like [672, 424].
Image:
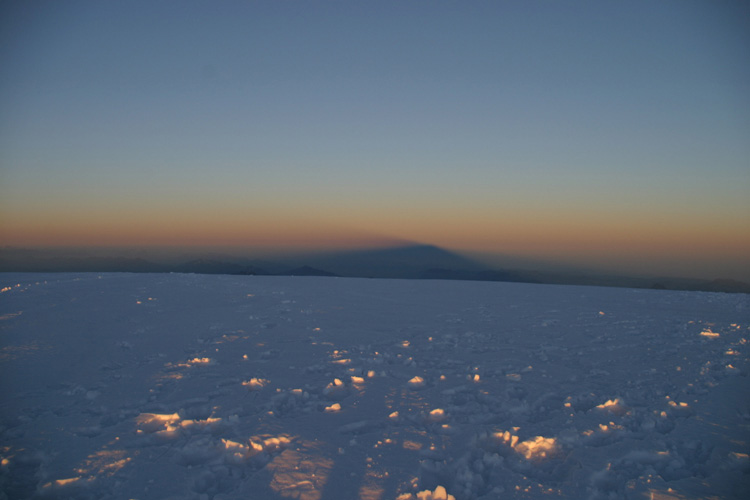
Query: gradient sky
[608, 134]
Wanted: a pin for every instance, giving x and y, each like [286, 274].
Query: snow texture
[170, 386]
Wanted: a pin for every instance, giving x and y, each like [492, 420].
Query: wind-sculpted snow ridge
[217, 387]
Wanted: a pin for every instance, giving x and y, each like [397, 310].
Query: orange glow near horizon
[603, 238]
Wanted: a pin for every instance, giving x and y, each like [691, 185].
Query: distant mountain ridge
[405, 262]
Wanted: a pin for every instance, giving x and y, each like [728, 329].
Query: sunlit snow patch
[104, 463]
[437, 415]
[439, 493]
[255, 384]
[615, 406]
[190, 363]
[238, 453]
[300, 473]
[535, 449]
[169, 425]
[155, 422]
[335, 389]
[416, 383]
[538, 448]
[64, 488]
[199, 361]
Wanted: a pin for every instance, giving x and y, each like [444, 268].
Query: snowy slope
[218, 387]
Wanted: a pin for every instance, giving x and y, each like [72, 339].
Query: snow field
[218, 387]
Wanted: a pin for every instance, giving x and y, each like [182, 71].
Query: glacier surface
[226, 387]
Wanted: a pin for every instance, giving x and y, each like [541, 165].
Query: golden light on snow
[710, 334]
[210, 421]
[63, 482]
[168, 425]
[190, 363]
[155, 422]
[437, 415]
[301, 473]
[104, 462]
[335, 388]
[674, 404]
[535, 449]
[412, 445]
[416, 382]
[609, 404]
[240, 452]
[608, 427]
[439, 493]
[507, 438]
[538, 448]
[199, 361]
[616, 406]
[372, 488]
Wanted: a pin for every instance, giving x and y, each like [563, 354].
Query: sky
[613, 135]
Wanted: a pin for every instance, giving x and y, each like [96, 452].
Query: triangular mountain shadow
[399, 262]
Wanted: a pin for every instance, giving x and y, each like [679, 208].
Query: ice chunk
[416, 383]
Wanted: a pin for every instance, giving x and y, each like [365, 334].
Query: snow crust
[222, 387]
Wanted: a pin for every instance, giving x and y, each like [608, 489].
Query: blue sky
[606, 133]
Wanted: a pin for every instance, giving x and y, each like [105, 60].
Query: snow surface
[223, 387]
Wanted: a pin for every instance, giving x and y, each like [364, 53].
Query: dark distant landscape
[404, 262]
